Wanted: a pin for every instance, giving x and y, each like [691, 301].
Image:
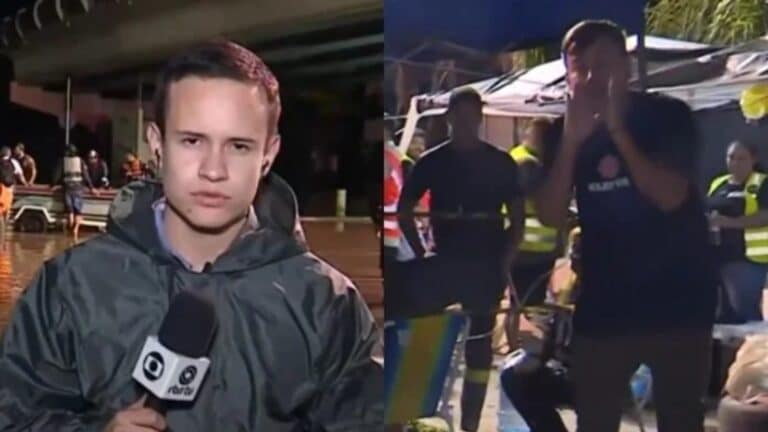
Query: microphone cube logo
[154, 365]
[187, 375]
[169, 375]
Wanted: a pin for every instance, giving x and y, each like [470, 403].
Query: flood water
[355, 251]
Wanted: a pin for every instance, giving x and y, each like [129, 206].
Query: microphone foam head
[189, 326]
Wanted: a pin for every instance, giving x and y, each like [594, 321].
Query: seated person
[536, 382]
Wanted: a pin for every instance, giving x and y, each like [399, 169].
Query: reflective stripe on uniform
[532, 222]
[762, 250]
[759, 235]
[479, 376]
[391, 242]
[390, 224]
[538, 238]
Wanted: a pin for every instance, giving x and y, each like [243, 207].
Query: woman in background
[738, 204]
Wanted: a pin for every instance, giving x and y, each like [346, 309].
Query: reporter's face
[215, 149]
[592, 68]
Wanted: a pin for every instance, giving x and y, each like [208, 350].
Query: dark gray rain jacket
[293, 350]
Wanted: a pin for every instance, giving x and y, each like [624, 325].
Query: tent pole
[139, 113]
[642, 61]
[68, 110]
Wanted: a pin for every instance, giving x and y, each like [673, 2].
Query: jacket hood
[279, 235]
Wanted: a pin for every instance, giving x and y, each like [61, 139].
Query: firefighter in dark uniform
[472, 255]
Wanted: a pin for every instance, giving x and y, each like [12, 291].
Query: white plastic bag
[748, 375]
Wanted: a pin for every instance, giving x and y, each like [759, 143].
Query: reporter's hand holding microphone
[137, 418]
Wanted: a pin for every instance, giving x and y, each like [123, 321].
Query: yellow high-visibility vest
[537, 238]
[755, 239]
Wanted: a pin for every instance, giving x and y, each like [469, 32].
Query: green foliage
[536, 56]
[724, 22]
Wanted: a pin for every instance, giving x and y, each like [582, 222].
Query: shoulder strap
[717, 182]
[756, 179]
[521, 153]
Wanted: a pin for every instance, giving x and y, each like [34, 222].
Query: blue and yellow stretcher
[419, 365]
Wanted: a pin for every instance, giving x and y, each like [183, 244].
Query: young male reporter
[293, 349]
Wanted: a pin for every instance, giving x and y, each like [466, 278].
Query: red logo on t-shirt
[609, 166]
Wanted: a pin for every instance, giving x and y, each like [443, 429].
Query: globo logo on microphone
[154, 365]
[168, 375]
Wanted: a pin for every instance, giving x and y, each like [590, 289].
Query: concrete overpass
[101, 43]
[111, 50]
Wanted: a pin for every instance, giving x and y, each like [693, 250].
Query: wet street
[355, 251]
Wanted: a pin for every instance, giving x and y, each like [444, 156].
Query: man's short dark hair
[464, 95]
[584, 34]
[20, 147]
[218, 59]
[5, 151]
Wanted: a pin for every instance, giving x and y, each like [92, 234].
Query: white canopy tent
[706, 82]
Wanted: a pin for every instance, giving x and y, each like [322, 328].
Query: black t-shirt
[642, 268]
[531, 175]
[728, 200]
[476, 181]
[407, 166]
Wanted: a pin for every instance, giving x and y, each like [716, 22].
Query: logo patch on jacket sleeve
[122, 205]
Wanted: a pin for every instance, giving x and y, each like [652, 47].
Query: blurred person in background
[10, 174]
[738, 205]
[416, 148]
[400, 264]
[151, 170]
[133, 169]
[72, 177]
[27, 162]
[536, 380]
[97, 170]
[541, 245]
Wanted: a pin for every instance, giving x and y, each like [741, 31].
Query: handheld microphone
[172, 364]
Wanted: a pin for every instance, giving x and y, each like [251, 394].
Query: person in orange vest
[401, 269]
[393, 181]
[132, 169]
